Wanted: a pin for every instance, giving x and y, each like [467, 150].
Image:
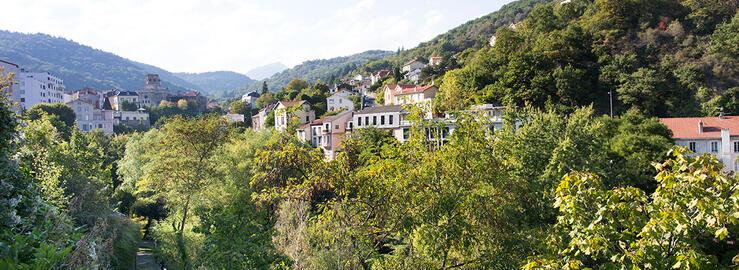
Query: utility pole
[610, 98]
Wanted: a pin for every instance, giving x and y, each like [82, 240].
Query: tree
[62, 116]
[127, 106]
[265, 89]
[184, 166]
[183, 105]
[296, 85]
[687, 223]
[240, 107]
[266, 100]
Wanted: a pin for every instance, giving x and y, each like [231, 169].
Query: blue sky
[237, 35]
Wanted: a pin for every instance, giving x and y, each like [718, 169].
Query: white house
[376, 77]
[340, 100]
[91, 118]
[138, 118]
[412, 65]
[383, 117]
[413, 76]
[403, 94]
[303, 113]
[251, 99]
[713, 135]
[120, 96]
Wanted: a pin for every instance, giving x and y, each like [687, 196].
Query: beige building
[258, 121]
[286, 111]
[327, 133]
[91, 118]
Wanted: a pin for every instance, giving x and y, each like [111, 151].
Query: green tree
[687, 223]
[240, 107]
[296, 85]
[61, 116]
[128, 106]
[183, 167]
[265, 89]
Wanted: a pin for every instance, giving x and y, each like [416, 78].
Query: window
[406, 134]
[374, 120]
[714, 147]
[691, 146]
[366, 120]
[390, 119]
[328, 127]
[359, 121]
[736, 147]
[336, 126]
[339, 101]
[100, 125]
[23, 99]
[307, 118]
[382, 120]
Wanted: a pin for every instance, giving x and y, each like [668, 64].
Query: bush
[126, 243]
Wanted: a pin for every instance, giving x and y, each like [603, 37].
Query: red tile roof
[712, 126]
[408, 88]
[383, 73]
[291, 103]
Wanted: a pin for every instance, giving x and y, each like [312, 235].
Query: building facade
[258, 121]
[340, 100]
[152, 94]
[38, 87]
[89, 117]
[301, 111]
[718, 136]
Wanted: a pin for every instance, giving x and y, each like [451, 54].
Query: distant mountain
[80, 65]
[313, 70]
[216, 82]
[266, 71]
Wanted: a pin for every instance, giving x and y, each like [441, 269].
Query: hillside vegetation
[661, 58]
[79, 65]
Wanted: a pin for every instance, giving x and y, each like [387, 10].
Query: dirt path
[145, 257]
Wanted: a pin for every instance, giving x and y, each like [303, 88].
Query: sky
[238, 35]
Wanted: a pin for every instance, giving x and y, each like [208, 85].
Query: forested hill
[216, 82]
[661, 58]
[79, 65]
[318, 69]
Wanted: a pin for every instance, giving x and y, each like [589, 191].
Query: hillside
[664, 59]
[216, 82]
[79, 65]
[317, 69]
[266, 71]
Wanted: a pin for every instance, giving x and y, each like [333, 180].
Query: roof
[292, 103]
[253, 94]
[436, 57]
[188, 94]
[127, 93]
[315, 122]
[408, 88]
[381, 109]
[342, 92]
[712, 126]
[9, 63]
[383, 73]
[337, 116]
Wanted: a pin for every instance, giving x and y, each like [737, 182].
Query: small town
[506, 134]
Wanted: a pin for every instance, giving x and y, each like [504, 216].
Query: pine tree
[264, 87]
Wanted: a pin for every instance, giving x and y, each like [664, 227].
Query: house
[251, 99]
[287, 111]
[86, 94]
[124, 96]
[412, 65]
[89, 117]
[340, 100]
[138, 118]
[379, 75]
[413, 76]
[713, 135]
[258, 121]
[435, 60]
[402, 94]
[492, 40]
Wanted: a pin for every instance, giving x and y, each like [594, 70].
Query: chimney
[721, 115]
[700, 126]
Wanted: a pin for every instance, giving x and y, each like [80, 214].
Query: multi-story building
[38, 87]
[327, 133]
[435, 60]
[89, 117]
[119, 97]
[713, 135]
[383, 117]
[340, 100]
[286, 111]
